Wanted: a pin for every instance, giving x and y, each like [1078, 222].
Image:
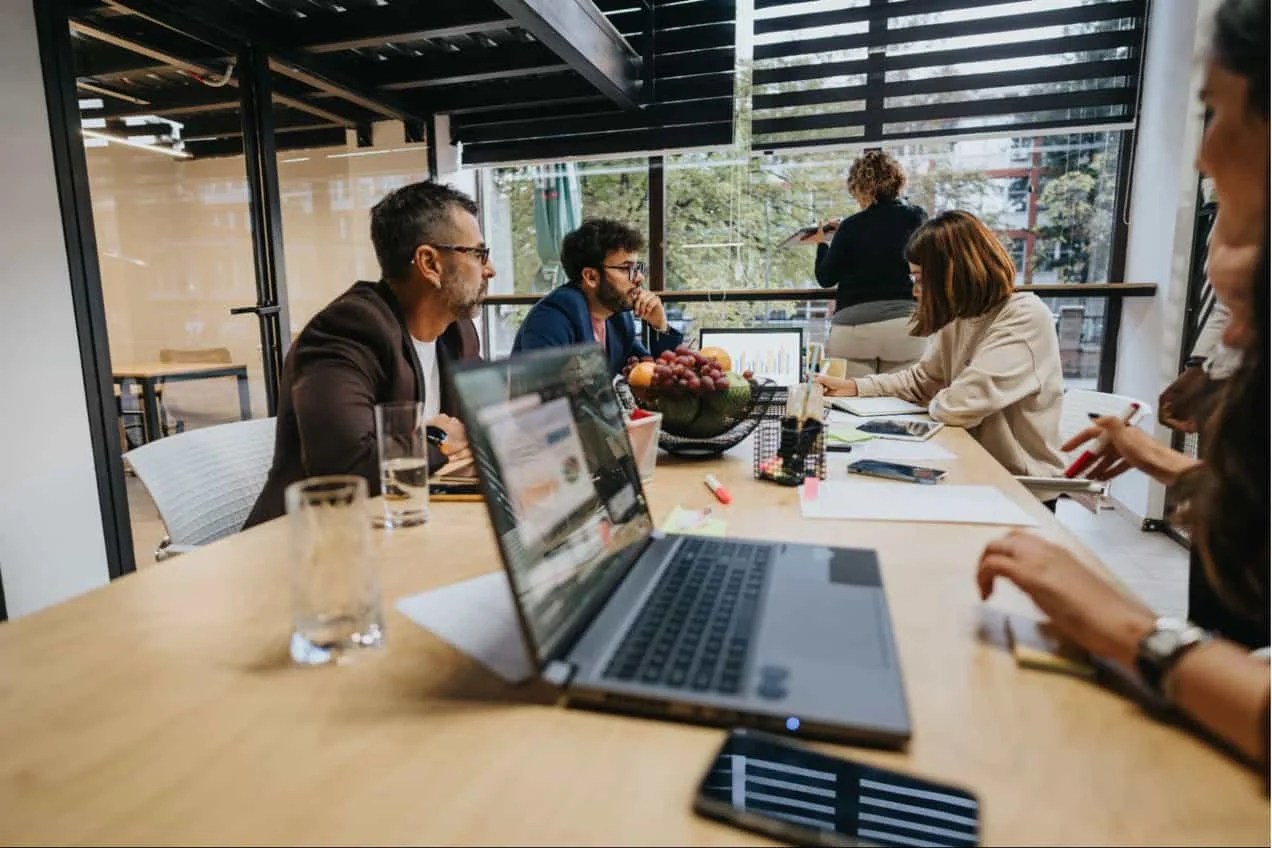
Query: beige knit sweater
[997, 375]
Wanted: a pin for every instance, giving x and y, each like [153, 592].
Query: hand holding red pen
[1127, 447]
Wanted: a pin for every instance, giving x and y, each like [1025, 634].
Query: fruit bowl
[706, 407]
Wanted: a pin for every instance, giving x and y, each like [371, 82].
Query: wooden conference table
[151, 375]
[163, 709]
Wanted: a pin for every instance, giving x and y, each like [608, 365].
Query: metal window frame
[84, 274]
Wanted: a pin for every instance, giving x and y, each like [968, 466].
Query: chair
[215, 355]
[1075, 407]
[205, 482]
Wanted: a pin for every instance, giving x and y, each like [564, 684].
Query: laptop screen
[774, 354]
[560, 482]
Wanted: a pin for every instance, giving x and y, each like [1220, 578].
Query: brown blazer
[353, 354]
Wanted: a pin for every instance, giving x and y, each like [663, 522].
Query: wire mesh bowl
[699, 428]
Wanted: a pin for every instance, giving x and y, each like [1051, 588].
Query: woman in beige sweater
[992, 364]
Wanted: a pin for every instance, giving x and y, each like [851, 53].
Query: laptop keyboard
[695, 630]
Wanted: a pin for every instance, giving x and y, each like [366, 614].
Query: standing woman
[865, 259]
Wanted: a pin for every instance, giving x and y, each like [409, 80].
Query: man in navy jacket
[603, 291]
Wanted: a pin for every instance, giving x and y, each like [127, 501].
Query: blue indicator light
[792, 724]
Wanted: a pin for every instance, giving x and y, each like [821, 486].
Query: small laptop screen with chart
[771, 353]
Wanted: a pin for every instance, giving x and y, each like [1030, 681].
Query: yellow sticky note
[848, 435]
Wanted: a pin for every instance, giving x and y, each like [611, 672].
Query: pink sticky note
[810, 488]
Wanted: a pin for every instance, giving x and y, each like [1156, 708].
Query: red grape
[708, 385]
[748, 374]
[682, 348]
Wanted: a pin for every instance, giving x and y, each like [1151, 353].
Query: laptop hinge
[559, 673]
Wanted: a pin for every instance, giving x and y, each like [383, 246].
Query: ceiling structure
[520, 78]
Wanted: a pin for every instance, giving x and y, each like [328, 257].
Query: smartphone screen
[768, 784]
[892, 427]
[896, 471]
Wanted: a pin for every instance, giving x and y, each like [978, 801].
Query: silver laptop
[787, 637]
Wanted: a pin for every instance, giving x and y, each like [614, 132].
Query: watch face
[1161, 643]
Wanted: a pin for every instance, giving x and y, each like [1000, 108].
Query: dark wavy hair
[595, 239]
[1227, 497]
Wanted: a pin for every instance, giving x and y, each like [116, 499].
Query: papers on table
[477, 618]
[940, 503]
[699, 522]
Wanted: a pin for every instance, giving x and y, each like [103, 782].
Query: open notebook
[867, 407]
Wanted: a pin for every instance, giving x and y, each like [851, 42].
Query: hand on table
[1086, 609]
[836, 386]
[1129, 447]
[648, 307]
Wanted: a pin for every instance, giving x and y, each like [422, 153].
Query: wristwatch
[1169, 640]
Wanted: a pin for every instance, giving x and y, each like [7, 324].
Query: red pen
[1088, 456]
[721, 493]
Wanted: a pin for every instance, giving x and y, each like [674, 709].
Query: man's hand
[1180, 404]
[648, 307]
[456, 444]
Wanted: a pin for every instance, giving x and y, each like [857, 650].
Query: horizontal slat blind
[879, 70]
[690, 102]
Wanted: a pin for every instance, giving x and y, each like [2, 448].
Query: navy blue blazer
[561, 319]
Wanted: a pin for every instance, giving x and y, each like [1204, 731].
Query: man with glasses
[604, 289]
[390, 340]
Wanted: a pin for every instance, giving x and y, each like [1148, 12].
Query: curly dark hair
[410, 216]
[877, 175]
[1240, 45]
[588, 246]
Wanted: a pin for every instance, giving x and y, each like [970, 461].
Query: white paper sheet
[868, 501]
[892, 450]
[478, 619]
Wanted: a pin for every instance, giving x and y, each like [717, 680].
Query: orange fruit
[719, 356]
[641, 376]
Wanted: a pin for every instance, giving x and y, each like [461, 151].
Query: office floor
[1152, 565]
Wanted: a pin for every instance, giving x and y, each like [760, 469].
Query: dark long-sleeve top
[866, 256]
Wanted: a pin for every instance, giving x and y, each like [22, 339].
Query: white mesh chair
[1074, 418]
[205, 482]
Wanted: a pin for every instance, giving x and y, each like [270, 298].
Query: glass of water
[335, 592]
[399, 430]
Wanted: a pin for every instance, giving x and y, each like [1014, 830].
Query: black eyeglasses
[633, 269]
[482, 253]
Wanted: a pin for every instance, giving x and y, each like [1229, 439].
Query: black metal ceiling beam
[179, 63]
[577, 32]
[477, 65]
[397, 25]
[501, 94]
[300, 140]
[314, 71]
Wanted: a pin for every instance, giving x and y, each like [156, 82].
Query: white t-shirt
[427, 353]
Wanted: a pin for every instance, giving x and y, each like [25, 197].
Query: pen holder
[786, 453]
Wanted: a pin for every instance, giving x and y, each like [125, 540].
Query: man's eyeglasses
[633, 269]
[482, 253]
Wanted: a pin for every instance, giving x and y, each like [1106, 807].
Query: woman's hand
[836, 386]
[1130, 447]
[456, 444]
[1085, 608]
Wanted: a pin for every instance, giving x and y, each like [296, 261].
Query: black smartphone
[896, 471]
[899, 428]
[773, 786]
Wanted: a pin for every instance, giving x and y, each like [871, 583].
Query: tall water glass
[399, 432]
[335, 592]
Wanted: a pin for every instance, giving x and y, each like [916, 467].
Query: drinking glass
[399, 432]
[335, 593]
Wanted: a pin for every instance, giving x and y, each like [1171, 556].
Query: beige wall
[174, 237]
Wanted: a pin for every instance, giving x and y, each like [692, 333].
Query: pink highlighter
[1089, 456]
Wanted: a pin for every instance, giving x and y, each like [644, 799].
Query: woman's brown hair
[964, 270]
[876, 175]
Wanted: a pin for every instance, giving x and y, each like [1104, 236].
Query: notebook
[867, 407]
